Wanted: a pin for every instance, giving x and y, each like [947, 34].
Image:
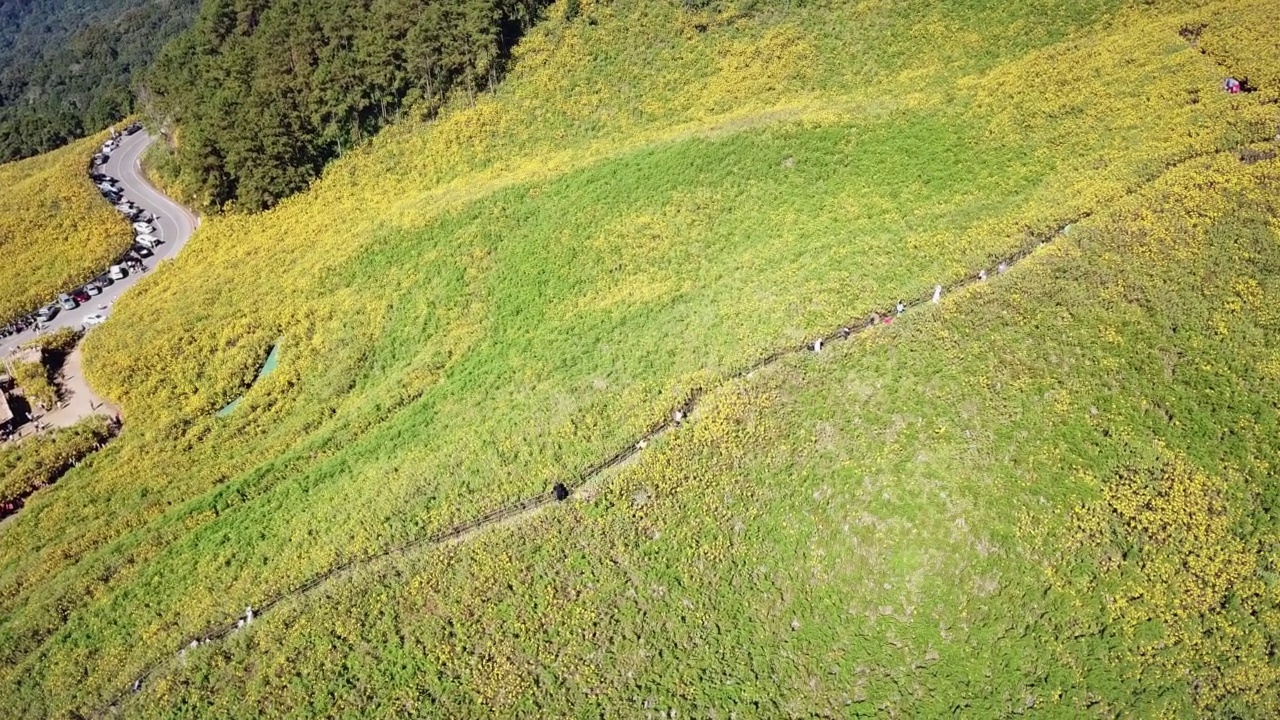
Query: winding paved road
[174, 226]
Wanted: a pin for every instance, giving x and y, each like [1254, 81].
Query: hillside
[56, 231]
[67, 68]
[1053, 492]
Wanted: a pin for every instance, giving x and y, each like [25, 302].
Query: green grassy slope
[887, 527]
[475, 308]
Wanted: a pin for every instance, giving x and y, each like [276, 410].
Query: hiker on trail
[817, 345]
[937, 294]
[982, 274]
[1231, 85]
[1004, 266]
[248, 615]
[902, 307]
[678, 416]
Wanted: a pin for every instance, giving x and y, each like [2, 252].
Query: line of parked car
[144, 244]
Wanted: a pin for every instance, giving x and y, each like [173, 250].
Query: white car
[117, 272]
[148, 241]
[94, 319]
[143, 228]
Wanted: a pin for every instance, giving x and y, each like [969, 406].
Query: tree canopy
[262, 93]
[66, 68]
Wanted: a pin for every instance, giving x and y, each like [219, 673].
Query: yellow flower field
[932, 519]
[56, 231]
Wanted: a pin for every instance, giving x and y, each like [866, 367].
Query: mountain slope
[472, 309]
[68, 67]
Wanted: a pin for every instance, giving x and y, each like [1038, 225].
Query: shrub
[33, 378]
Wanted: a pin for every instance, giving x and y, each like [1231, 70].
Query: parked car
[67, 302]
[142, 251]
[132, 128]
[143, 228]
[148, 241]
[92, 288]
[80, 296]
[46, 313]
[103, 280]
[94, 319]
[117, 272]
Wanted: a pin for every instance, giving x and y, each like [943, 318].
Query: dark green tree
[261, 94]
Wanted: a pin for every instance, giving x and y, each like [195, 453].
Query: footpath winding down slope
[174, 226]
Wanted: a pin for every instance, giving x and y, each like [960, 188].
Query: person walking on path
[937, 294]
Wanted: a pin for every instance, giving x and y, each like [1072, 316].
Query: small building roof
[6, 413]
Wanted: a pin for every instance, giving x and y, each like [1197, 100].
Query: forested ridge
[66, 68]
[261, 93]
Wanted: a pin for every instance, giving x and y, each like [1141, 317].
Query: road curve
[174, 225]
[175, 222]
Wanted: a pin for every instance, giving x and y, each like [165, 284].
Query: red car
[80, 296]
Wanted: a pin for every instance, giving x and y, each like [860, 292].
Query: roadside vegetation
[56, 231]
[57, 344]
[32, 377]
[933, 519]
